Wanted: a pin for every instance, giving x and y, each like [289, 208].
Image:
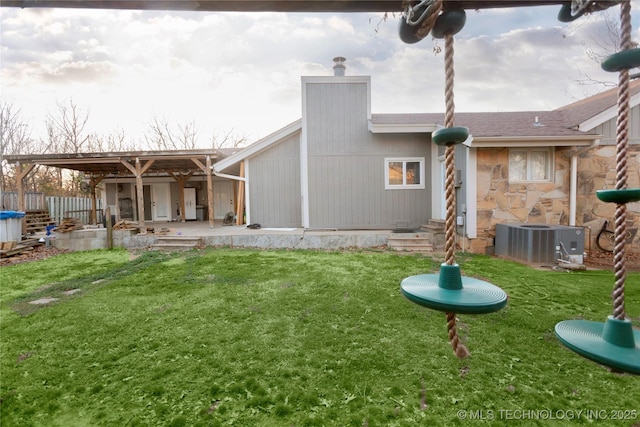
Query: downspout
[224, 175]
[573, 186]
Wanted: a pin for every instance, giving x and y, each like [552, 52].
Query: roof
[501, 124]
[112, 163]
[602, 106]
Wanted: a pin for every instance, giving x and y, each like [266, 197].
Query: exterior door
[222, 199]
[190, 204]
[161, 202]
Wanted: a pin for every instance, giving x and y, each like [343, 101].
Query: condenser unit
[540, 243]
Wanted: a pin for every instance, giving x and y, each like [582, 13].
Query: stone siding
[500, 201]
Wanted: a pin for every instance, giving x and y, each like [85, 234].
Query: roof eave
[533, 141]
[402, 128]
[258, 146]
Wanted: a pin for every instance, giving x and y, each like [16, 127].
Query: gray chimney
[339, 67]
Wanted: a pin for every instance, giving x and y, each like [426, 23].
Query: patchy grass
[302, 338]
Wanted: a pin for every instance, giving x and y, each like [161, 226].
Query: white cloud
[242, 71]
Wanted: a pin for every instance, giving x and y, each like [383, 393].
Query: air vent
[539, 243]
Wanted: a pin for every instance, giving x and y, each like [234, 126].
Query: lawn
[295, 338]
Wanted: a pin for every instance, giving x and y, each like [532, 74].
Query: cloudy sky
[240, 72]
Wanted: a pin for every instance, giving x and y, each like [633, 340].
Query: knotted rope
[428, 21]
[450, 191]
[622, 139]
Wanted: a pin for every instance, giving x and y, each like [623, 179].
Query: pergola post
[93, 182]
[21, 172]
[138, 170]
[209, 172]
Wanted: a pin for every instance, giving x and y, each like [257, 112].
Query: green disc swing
[447, 291]
[613, 343]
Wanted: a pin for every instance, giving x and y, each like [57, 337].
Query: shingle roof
[500, 124]
[587, 108]
[563, 121]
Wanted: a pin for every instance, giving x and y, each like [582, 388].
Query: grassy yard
[295, 338]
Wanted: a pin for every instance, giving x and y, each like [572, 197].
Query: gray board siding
[346, 164]
[608, 128]
[274, 179]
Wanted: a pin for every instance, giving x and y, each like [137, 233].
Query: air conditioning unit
[540, 243]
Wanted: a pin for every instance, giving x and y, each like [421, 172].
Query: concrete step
[177, 243]
[412, 242]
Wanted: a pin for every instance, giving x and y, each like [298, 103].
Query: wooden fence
[58, 207]
[32, 201]
[74, 207]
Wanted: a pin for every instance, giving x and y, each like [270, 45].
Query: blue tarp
[11, 214]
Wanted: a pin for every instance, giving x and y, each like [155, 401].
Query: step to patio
[410, 242]
[435, 231]
[177, 243]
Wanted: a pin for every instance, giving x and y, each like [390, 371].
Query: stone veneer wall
[500, 201]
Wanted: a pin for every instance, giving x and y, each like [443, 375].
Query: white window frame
[528, 151]
[404, 185]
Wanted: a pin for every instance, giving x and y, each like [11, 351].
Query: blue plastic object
[11, 214]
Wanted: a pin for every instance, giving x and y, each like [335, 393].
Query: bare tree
[162, 136]
[67, 128]
[15, 138]
[114, 141]
[609, 42]
[228, 139]
[66, 134]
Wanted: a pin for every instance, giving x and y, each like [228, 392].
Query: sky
[240, 73]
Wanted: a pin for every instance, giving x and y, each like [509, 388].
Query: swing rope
[450, 192]
[622, 138]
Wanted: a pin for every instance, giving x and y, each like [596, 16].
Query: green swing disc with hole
[448, 291]
[613, 343]
[621, 197]
[624, 60]
[449, 23]
[452, 135]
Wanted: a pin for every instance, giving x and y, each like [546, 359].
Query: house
[342, 167]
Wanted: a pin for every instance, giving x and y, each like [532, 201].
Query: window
[530, 164]
[404, 173]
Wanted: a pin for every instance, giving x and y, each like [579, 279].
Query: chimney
[339, 67]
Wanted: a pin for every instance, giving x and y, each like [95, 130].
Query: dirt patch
[603, 260]
[38, 253]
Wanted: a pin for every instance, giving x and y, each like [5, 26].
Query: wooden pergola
[180, 165]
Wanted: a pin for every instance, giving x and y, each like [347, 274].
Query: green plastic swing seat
[448, 291]
[629, 195]
[452, 135]
[613, 343]
[625, 60]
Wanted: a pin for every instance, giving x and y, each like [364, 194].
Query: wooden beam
[22, 170]
[93, 182]
[209, 172]
[181, 178]
[268, 5]
[240, 198]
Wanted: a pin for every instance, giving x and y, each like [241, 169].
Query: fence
[75, 207]
[58, 207]
[32, 201]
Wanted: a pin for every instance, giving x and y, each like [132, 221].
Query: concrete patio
[92, 237]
